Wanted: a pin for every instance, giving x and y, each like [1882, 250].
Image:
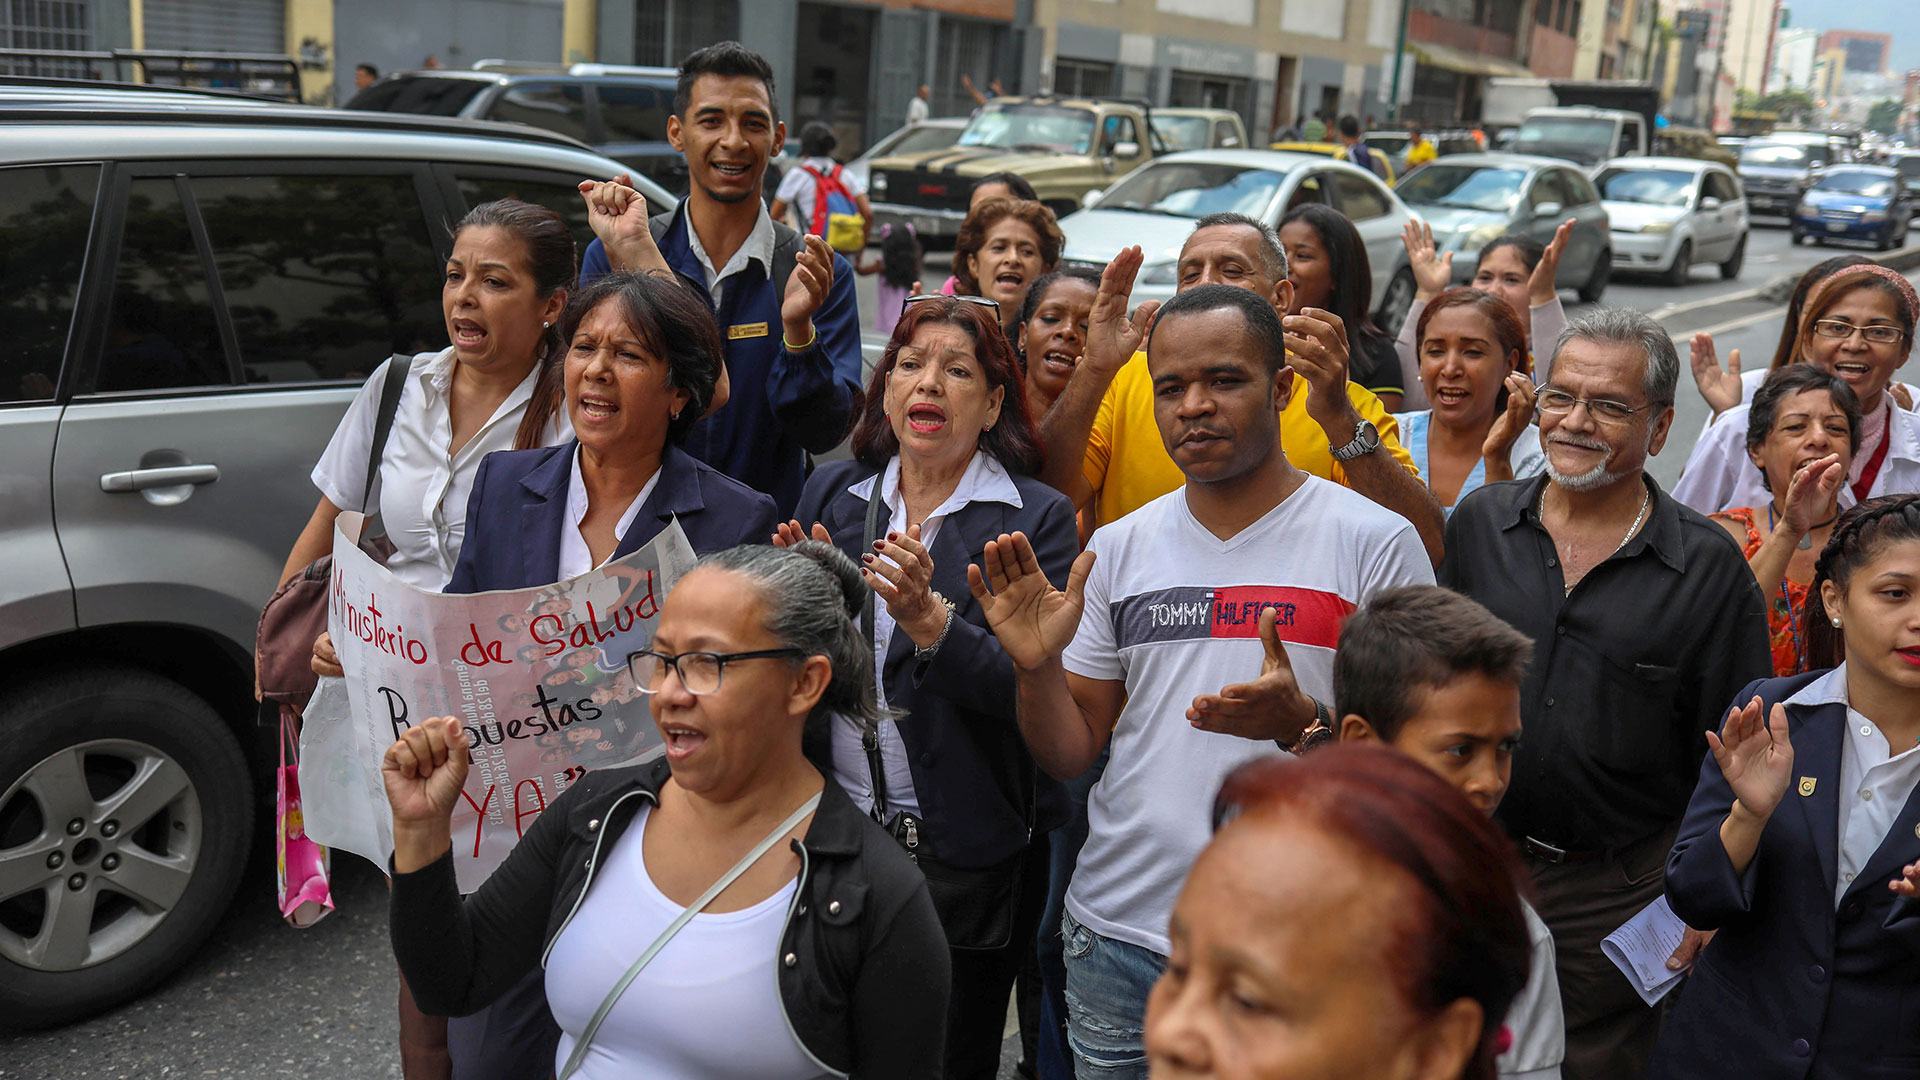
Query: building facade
[1746, 52]
[1616, 39]
[1794, 50]
[1866, 53]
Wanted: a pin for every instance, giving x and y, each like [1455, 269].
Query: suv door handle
[170, 476]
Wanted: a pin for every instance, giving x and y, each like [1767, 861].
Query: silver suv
[191, 289]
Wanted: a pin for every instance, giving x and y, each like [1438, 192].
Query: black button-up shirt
[1628, 671]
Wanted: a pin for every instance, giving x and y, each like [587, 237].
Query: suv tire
[1596, 284]
[1730, 269]
[1682, 269]
[1395, 304]
[72, 747]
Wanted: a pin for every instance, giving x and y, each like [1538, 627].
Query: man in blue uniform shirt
[784, 303]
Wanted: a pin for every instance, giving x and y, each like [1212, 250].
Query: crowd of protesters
[1031, 699]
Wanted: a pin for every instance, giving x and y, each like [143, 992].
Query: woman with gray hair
[817, 954]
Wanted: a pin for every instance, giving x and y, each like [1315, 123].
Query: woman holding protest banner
[641, 360]
[944, 460]
[818, 952]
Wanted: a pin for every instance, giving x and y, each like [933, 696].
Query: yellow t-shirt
[1128, 466]
[1421, 153]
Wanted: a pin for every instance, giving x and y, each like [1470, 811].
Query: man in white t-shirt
[1197, 632]
[917, 108]
[800, 191]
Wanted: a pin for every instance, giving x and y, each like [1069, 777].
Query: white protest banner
[537, 676]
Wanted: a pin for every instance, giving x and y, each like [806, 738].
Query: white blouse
[1719, 475]
[421, 491]
[575, 557]
[1875, 781]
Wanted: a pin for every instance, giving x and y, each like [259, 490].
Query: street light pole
[1399, 62]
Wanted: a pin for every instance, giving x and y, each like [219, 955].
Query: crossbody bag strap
[398, 365]
[579, 1053]
[870, 733]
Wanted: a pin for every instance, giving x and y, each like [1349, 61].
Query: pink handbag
[302, 867]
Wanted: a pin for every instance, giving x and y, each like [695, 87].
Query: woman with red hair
[1354, 916]
[944, 460]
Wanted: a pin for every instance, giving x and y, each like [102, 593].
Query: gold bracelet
[813, 335]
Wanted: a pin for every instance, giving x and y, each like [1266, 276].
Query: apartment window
[1082, 78]
[1198, 91]
[665, 31]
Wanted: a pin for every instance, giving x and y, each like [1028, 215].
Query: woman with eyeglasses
[944, 461]
[1858, 325]
[639, 361]
[1802, 433]
[1480, 430]
[723, 911]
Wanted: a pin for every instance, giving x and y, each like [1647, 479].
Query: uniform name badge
[1806, 785]
[746, 330]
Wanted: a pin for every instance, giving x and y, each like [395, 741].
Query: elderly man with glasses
[1646, 623]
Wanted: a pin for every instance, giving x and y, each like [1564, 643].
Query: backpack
[836, 219]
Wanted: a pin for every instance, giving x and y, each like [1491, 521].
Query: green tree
[1884, 116]
[1793, 103]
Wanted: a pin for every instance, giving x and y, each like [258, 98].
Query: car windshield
[1390, 141]
[920, 138]
[1651, 187]
[1047, 128]
[418, 94]
[1785, 155]
[1183, 132]
[1873, 185]
[1468, 187]
[1580, 138]
[1192, 189]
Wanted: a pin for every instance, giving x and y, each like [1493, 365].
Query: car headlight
[1808, 210]
[1159, 273]
[1482, 236]
[879, 184]
[1873, 215]
[1657, 227]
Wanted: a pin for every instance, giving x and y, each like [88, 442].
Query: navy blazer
[976, 782]
[1790, 987]
[519, 506]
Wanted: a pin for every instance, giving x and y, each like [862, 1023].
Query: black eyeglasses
[699, 672]
[982, 301]
[1841, 329]
[1605, 410]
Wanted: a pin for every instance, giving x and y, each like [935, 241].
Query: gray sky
[1896, 17]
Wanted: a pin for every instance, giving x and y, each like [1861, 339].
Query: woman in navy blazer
[945, 443]
[1801, 846]
[641, 359]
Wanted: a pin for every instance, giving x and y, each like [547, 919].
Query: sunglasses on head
[980, 300]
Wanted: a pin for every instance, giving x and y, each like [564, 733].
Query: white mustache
[1579, 441]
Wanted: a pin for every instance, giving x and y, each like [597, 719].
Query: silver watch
[1366, 439]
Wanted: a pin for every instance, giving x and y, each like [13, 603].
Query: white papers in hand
[1641, 946]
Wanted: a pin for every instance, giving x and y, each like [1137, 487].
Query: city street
[263, 1000]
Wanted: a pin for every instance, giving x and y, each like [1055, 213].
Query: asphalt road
[263, 1000]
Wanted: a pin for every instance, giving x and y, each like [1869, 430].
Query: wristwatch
[1366, 439]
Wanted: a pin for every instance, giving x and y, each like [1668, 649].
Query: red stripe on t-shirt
[1306, 616]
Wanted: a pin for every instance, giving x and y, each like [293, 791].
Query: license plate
[1836, 226]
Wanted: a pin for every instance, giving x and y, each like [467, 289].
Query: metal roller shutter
[252, 26]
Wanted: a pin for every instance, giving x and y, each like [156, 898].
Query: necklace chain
[1646, 499]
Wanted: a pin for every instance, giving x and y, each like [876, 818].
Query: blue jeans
[1107, 986]
[1064, 843]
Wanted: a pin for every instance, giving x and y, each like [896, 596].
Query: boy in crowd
[1437, 677]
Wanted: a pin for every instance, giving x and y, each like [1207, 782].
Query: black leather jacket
[863, 966]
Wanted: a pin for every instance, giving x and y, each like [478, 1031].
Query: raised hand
[1721, 389]
[1432, 272]
[1033, 620]
[1810, 493]
[617, 213]
[1272, 707]
[900, 572]
[1755, 756]
[791, 533]
[1509, 424]
[807, 289]
[1317, 350]
[1541, 285]
[1113, 338]
[424, 771]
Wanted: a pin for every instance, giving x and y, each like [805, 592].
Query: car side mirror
[1126, 149]
[1090, 198]
[1547, 209]
[1711, 203]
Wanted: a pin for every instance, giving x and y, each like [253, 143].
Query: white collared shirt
[1875, 781]
[985, 480]
[575, 557]
[421, 490]
[1719, 475]
[758, 247]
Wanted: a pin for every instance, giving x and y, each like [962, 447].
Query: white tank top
[706, 1008]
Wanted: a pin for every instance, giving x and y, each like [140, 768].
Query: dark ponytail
[554, 265]
[1861, 533]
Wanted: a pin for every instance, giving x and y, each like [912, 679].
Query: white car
[1668, 215]
[1156, 205]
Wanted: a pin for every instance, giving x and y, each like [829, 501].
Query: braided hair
[1861, 533]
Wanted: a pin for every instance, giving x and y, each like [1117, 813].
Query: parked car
[1065, 147]
[619, 111]
[1338, 152]
[1471, 198]
[1667, 214]
[1907, 164]
[938, 133]
[196, 287]
[1777, 168]
[1183, 128]
[1157, 205]
[1855, 202]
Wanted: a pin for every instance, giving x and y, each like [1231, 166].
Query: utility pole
[1399, 61]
